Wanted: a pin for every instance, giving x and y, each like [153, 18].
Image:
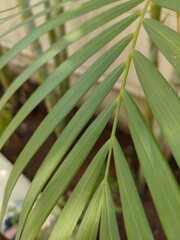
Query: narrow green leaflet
[169, 4]
[64, 42]
[89, 226]
[62, 144]
[79, 198]
[137, 226]
[166, 39]
[108, 226]
[163, 100]
[161, 182]
[63, 176]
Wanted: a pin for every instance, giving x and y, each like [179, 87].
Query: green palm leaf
[173, 5]
[136, 223]
[161, 182]
[89, 212]
[163, 101]
[108, 226]
[89, 226]
[166, 39]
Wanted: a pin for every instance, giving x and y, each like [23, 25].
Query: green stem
[59, 59]
[126, 73]
[9, 9]
[64, 86]
[5, 82]
[52, 34]
[128, 64]
[155, 14]
[108, 161]
[4, 78]
[178, 21]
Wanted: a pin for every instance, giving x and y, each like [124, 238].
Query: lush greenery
[91, 204]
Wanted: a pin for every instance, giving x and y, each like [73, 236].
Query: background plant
[90, 201]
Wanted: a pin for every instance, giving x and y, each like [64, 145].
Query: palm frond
[89, 212]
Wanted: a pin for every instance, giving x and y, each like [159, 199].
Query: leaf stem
[108, 161]
[119, 98]
[9, 9]
[4, 78]
[5, 81]
[155, 14]
[128, 64]
[52, 33]
[178, 21]
[64, 86]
